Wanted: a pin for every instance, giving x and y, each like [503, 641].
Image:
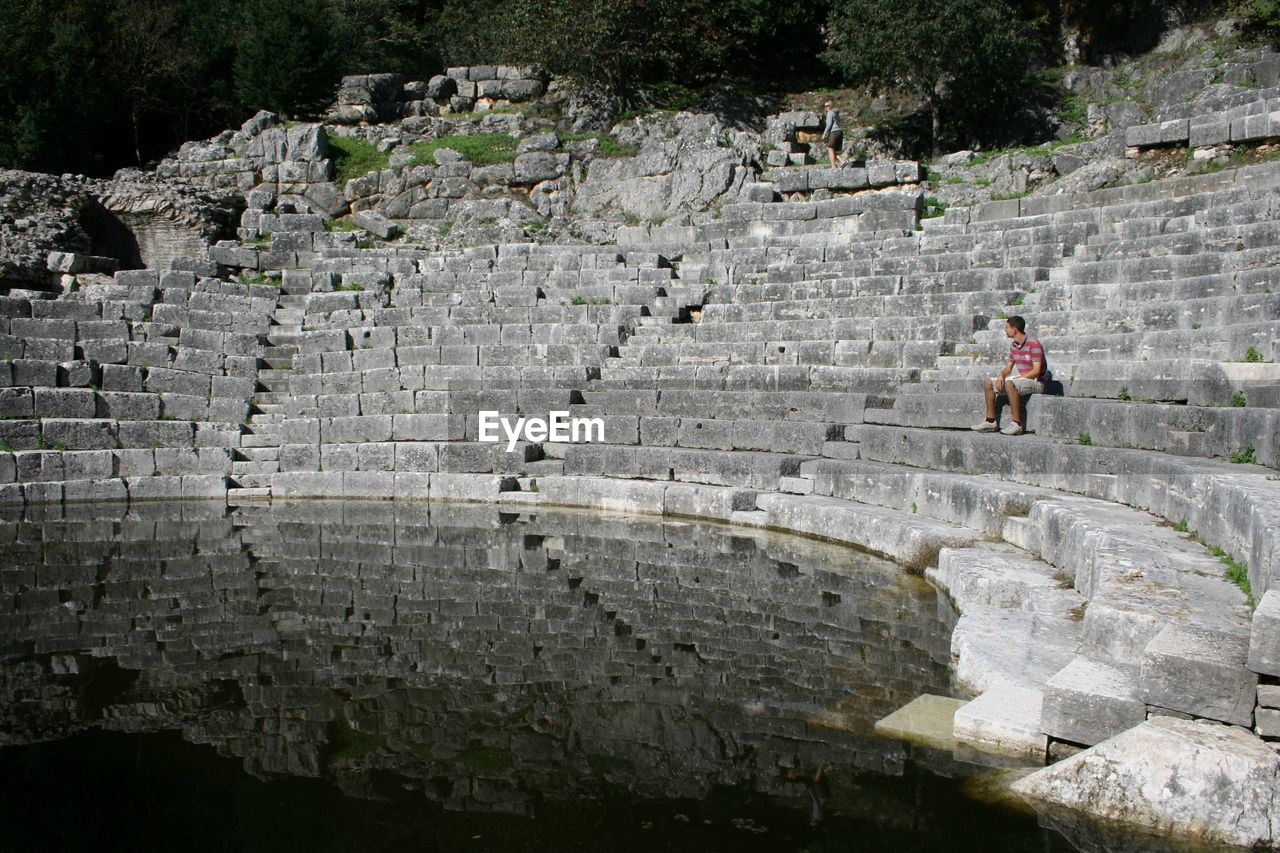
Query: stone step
[237, 495]
[246, 468]
[256, 453]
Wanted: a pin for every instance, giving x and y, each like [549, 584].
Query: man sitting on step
[1026, 371]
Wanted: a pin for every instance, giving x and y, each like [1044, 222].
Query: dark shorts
[835, 139]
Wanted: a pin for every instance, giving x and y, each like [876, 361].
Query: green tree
[966, 60]
[388, 35]
[288, 56]
[54, 96]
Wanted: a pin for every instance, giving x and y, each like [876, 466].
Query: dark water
[339, 676]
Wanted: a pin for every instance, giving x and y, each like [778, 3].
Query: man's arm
[1004, 371]
[1036, 369]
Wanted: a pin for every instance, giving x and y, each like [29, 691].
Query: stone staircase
[258, 456]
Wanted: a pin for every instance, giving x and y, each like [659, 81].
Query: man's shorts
[1024, 386]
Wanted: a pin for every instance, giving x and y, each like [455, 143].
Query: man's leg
[990, 396]
[1015, 404]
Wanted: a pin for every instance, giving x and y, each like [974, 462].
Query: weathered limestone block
[1195, 780]
[1264, 638]
[376, 224]
[1089, 701]
[441, 87]
[1007, 719]
[535, 166]
[1200, 673]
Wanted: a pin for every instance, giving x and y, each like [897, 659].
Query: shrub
[1252, 356]
[1238, 400]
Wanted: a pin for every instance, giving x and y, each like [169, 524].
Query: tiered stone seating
[800, 365]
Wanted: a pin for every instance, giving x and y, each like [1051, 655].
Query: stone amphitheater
[802, 352]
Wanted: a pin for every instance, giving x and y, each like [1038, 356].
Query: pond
[340, 675]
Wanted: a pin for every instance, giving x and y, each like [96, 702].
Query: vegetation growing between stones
[480, 149]
[1237, 572]
[1246, 455]
[608, 146]
[355, 157]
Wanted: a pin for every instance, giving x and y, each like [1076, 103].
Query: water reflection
[489, 662]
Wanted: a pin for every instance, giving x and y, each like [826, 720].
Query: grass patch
[933, 208]
[1238, 400]
[1245, 456]
[354, 158]
[1085, 439]
[1237, 572]
[1252, 356]
[479, 149]
[1123, 396]
[349, 286]
[340, 225]
[260, 240]
[607, 146]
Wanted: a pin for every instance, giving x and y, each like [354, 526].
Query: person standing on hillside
[1025, 372]
[832, 135]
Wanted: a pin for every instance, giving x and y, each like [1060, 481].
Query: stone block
[80, 434]
[427, 427]
[376, 224]
[1201, 673]
[380, 485]
[160, 488]
[86, 491]
[65, 403]
[1264, 637]
[204, 486]
[1089, 701]
[1005, 719]
[1161, 133]
[469, 487]
[1164, 776]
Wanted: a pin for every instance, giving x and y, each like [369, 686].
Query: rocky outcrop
[39, 214]
[1196, 780]
[132, 220]
[686, 163]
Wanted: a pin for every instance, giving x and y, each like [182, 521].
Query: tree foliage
[967, 60]
[91, 85]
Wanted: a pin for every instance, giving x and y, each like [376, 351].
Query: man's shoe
[1013, 428]
[986, 426]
